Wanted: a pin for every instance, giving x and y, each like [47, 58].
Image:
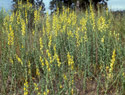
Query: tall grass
[66, 53]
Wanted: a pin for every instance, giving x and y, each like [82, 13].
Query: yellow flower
[23, 27]
[11, 61]
[72, 91]
[83, 22]
[36, 87]
[10, 36]
[65, 77]
[35, 17]
[48, 24]
[41, 44]
[29, 67]
[60, 86]
[102, 39]
[47, 91]
[26, 87]
[47, 65]
[41, 61]
[37, 71]
[70, 61]
[58, 61]
[19, 60]
[111, 65]
[101, 24]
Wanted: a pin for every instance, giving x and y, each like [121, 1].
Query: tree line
[81, 4]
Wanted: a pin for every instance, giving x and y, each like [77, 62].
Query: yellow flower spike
[102, 39]
[33, 32]
[92, 17]
[37, 71]
[36, 87]
[18, 17]
[107, 11]
[101, 24]
[72, 91]
[41, 44]
[23, 26]
[12, 17]
[47, 24]
[77, 38]
[47, 91]
[64, 77]
[47, 65]
[10, 36]
[29, 67]
[19, 60]
[41, 61]
[44, 93]
[110, 75]
[60, 86]
[83, 22]
[58, 61]
[70, 61]
[11, 61]
[49, 55]
[26, 87]
[35, 16]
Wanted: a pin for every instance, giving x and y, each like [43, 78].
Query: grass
[66, 53]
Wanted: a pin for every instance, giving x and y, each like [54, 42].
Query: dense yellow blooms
[10, 36]
[102, 24]
[83, 22]
[70, 34]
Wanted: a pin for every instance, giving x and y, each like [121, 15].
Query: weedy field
[66, 53]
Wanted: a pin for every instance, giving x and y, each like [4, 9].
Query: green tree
[35, 3]
[82, 4]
